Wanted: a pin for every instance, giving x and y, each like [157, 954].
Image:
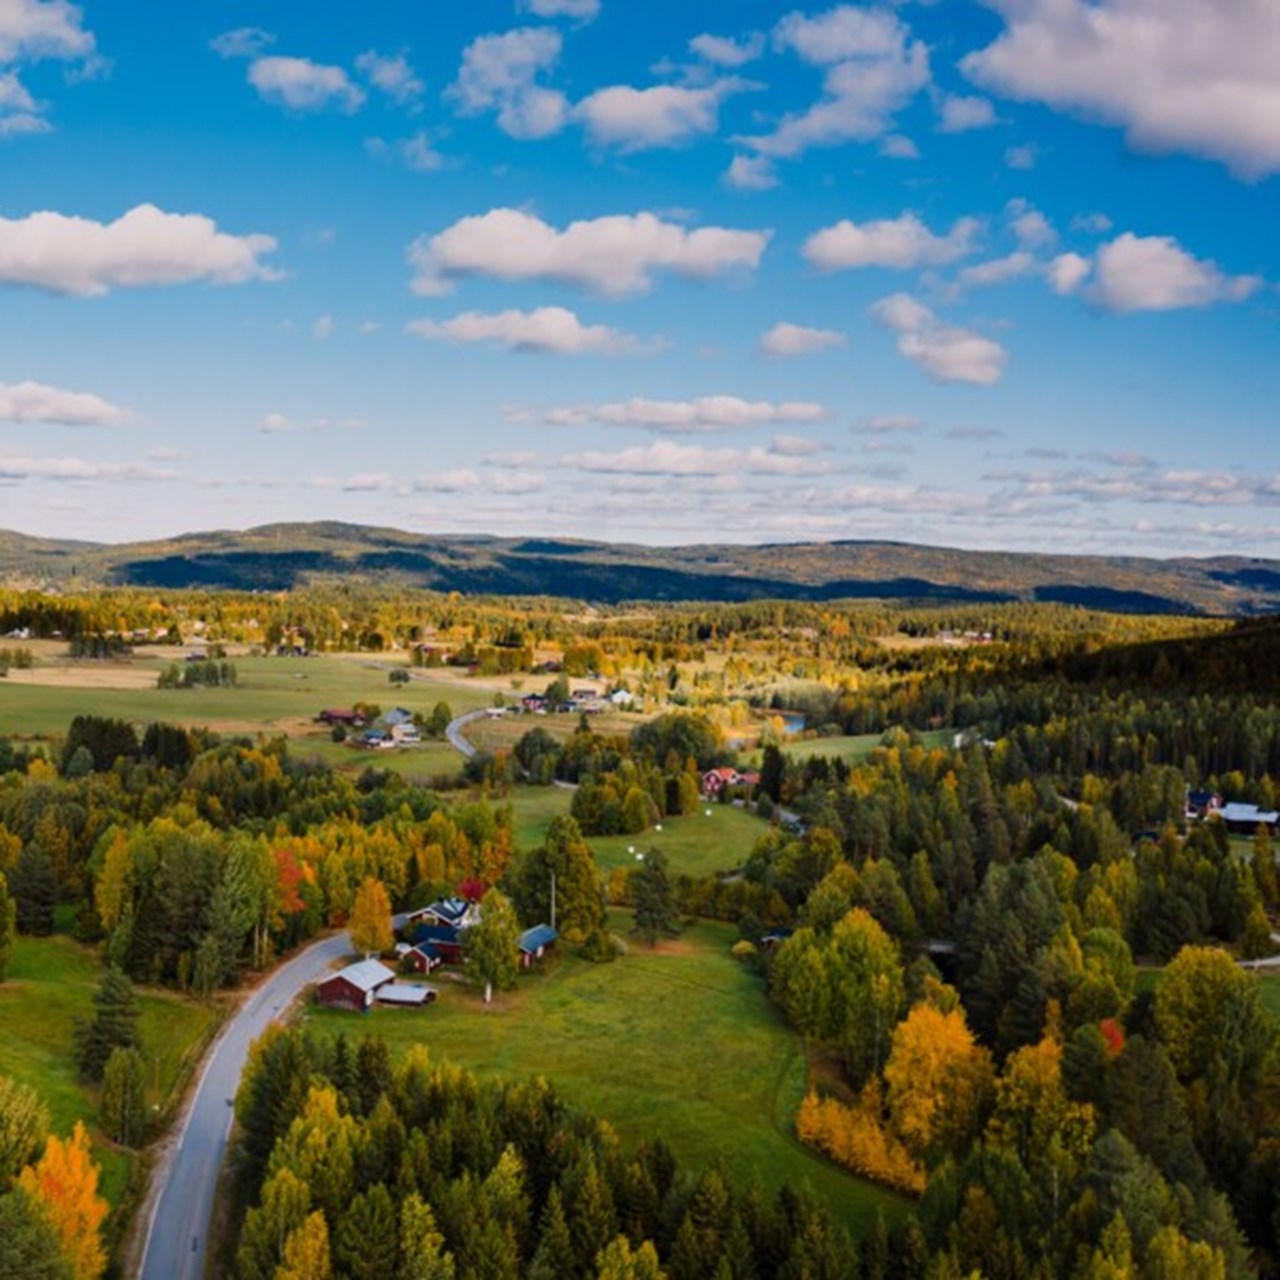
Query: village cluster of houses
[1240, 819]
[580, 701]
[392, 729]
[714, 781]
[434, 936]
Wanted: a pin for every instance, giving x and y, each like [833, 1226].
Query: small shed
[354, 987]
[406, 995]
[422, 958]
[534, 944]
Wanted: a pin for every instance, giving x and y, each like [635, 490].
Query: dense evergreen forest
[1013, 956]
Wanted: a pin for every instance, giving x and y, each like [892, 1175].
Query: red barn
[354, 987]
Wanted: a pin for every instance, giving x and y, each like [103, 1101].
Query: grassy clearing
[695, 845]
[502, 733]
[534, 807]
[273, 695]
[421, 763]
[851, 749]
[680, 1041]
[50, 984]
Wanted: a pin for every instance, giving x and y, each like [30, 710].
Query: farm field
[680, 1040]
[850, 749]
[49, 984]
[502, 733]
[273, 694]
[425, 762]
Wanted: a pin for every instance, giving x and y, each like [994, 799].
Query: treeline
[370, 1170]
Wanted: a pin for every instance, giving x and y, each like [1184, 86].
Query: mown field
[679, 1041]
[49, 985]
[273, 694]
[851, 749]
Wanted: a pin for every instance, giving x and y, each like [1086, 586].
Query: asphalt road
[177, 1235]
[454, 732]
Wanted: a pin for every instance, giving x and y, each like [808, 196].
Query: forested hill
[277, 557]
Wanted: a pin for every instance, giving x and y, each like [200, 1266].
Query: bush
[599, 947]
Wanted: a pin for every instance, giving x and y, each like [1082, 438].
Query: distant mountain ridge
[281, 556]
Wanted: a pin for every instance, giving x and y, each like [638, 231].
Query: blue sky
[997, 274]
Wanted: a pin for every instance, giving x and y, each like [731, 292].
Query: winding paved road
[177, 1235]
[454, 732]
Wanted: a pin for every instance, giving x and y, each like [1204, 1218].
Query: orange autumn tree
[938, 1080]
[370, 923]
[65, 1183]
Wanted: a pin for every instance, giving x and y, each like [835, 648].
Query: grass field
[696, 845]
[680, 1042]
[275, 694]
[1271, 993]
[50, 983]
[421, 763]
[503, 733]
[851, 749]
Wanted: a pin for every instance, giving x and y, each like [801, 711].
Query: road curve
[454, 732]
[177, 1234]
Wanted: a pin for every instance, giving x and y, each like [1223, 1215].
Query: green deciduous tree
[8, 925]
[491, 944]
[24, 1125]
[124, 1097]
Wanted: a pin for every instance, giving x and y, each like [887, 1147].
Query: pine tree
[124, 1097]
[8, 925]
[619, 1261]
[34, 891]
[422, 1251]
[114, 1025]
[366, 1240]
[653, 899]
[592, 1221]
[555, 1245]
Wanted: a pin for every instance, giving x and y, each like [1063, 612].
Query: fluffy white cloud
[511, 459]
[82, 469]
[22, 124]
[904, 243]
[899, 147]
[874, 68]
[1178, 75]
[145, 246]
[33, 29]
[549, 330]
[243, 42]
[796, 340]
[274, 423]
[725, 51]
[500, 73]
[1155, 273]
[368, 482]
[665, 115]
[27, 402]
[946, 352]
[890, 424]
[797, 446]
[583, 10]
[302, 85]
[667, 458]
[706, 413]
[959, 114]
[458, 480]
[611, 255]
[392, 75]
[998, 270]
[1067, 272]
[751, 173]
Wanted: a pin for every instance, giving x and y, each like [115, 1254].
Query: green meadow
[680, 1040]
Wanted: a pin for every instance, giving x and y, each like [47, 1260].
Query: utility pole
[553, 899]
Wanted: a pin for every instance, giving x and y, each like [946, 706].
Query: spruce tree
[34, 891]
[653, 899]
[114, 1025]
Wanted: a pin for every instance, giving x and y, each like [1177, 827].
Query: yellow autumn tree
[856, 1138]
[65, 1182]
[938, 1079]
[370, 923]
[306, 1252]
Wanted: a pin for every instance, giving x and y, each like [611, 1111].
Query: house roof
[541, 935]
[451, 910]
[436, 933]
[406, 993]
[366, 975]
[1236, 812]
[723, 772]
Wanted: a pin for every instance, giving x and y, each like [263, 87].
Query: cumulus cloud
[797, 340]
[611, 255]
[706, 413]
[899, 147]
[751, 173]
[548, 330]
[1067, 272]
[583, 10]
[1155, 273]
[243, 42]
[960, 114]
[78, 469]
[145, 246]
[1031, 228]
[274, 423]
[33, 31]
[873, 68]
[797, 446]
[1197, 76]
[1188, 486]
[667, 458]
[500, 73]
[665, 115]
[998, 270]
[888, 424]
[302, 85]
[457, 480]
[391, 75]
[904, 243]
[725, 51]
[510, 459]
[27, 402]
[368, 482]
[945, 352]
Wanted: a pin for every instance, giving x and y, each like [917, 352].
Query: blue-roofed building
[534, 944]
[441, 940]
[458, 913]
